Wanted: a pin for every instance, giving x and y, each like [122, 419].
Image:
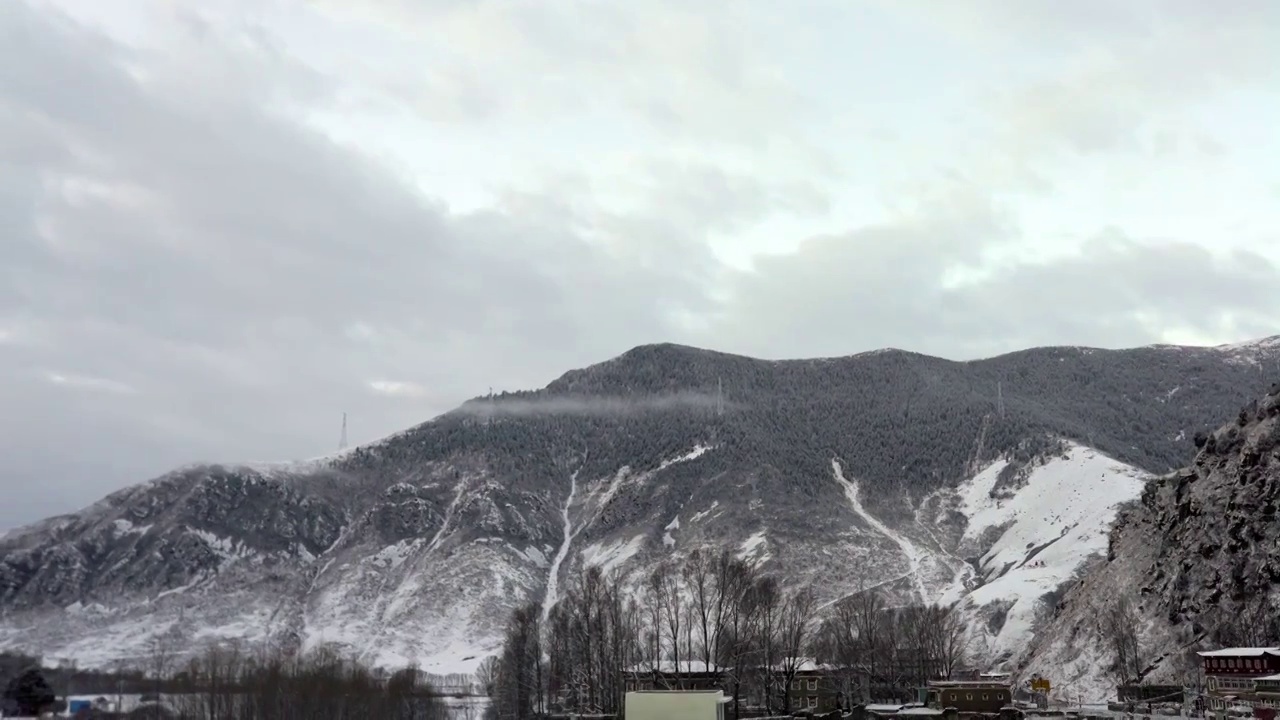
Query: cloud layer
[224, 227]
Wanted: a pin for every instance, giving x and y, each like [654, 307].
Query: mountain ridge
[416, 546]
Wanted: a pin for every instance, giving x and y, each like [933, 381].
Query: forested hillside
[900, 421]
[832, 474]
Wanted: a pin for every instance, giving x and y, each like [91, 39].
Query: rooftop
[1241, 652]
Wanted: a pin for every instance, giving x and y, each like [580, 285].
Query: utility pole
[719, 397]
[1000, 397]
[342, 442]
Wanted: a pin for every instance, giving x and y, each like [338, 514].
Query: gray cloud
[247, 279]
[889, 287]
[593, 406]
[192, 271]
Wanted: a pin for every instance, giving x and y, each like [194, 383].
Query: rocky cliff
[1193, 564]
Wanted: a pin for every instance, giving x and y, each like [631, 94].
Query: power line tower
[719, 397]
[342, 442]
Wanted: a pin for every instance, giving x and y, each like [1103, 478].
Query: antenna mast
[719, 397]
[342, 442]
[1000, 397]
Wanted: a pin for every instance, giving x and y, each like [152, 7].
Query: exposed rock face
[916, 475]
[1197, 559]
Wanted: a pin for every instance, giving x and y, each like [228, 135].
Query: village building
[1232, 676]
[970, 697]
[1266, 692]
[815, 689]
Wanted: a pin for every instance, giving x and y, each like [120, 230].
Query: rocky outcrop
[1194, 562]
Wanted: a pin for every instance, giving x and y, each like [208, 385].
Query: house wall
[673, 705]
[971, 698]
[814, 691]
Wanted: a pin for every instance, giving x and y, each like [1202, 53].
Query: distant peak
[1267, 343]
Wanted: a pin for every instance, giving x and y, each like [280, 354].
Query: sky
[224, 224]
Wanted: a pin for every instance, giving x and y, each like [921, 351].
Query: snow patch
[533, 555]
[229, 550]
[1055, 523]
[755, 545]
[553, 575]
[700, 515]
[393, 556]
[609, 555]
[914, 554]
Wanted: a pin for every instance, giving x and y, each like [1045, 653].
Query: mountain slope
[1192, 566]
[846, 473]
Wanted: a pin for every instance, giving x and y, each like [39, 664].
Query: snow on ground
[394, 555]
[1055, 523]
[608, 555]
[553, 574]
[915, 555]
[1251, 352]
[445, 612]
[626, 476]
[533, 555]
[466, 708]
[704, 513]
[698, 451]
[756, 546]
[669, 540]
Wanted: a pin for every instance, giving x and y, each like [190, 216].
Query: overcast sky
[224, 223]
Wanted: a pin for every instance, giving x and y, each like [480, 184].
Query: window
[968, 696]
[984, 696]
[999, 696]
[953, 697]
[813, 701]
[813, 684]
[795, 684]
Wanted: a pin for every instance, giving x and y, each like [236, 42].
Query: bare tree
[667, 584]
[592, 639]
[520, 671]
[225, 684]
[487, 675]
[794, 636]
[739, 608]
[1251, 623]
[949, 640]
[767, 600]
[1120, 628]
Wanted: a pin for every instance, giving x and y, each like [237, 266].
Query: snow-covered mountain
[1194, 565]
[990, 482]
